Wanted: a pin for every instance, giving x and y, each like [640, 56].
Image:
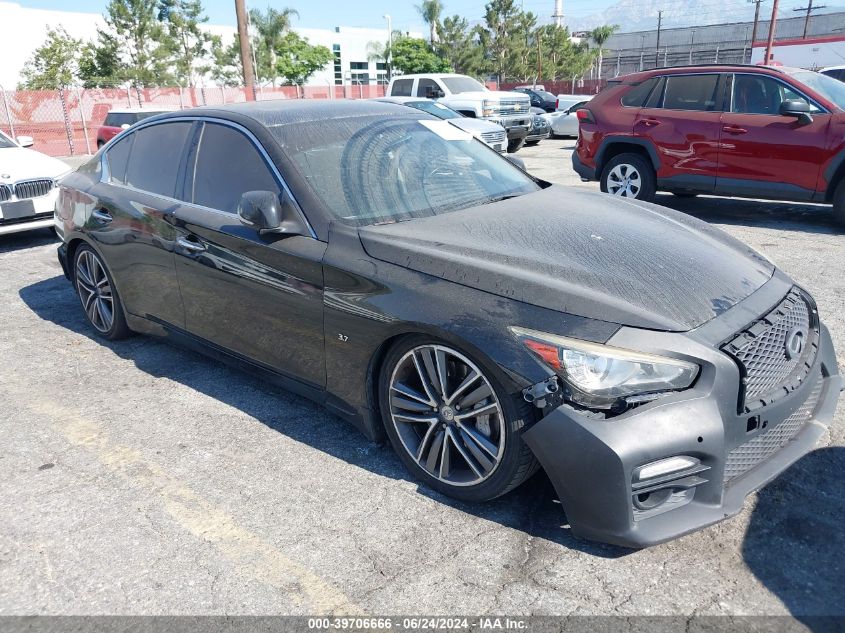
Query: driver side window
[756, 94]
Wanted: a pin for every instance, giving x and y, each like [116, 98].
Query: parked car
[540, 127]
[27, 185]
[565, 102]
[837, 72]
[747, 131]
[539, 98]
[489, 324]
[467, 96]
[565, 123]
[118, 119]
[487, 132]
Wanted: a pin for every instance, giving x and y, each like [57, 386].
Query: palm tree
[600, 35]
[430, 11]
[272, 28]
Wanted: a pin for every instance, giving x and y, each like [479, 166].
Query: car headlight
[488, 108]
[600, 376]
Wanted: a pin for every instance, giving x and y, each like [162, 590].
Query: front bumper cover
[591, 461]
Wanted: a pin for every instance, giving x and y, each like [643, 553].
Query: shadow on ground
[27, 239]
[795, 544]
[533, 508]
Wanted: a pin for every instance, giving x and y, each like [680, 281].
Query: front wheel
[839, 203]
[514, 145]
[629, 176]
[451, 423]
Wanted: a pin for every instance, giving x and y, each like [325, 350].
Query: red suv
[747, 131]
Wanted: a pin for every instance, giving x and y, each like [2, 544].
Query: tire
[616, 177]
[531, 143]
[98, 296]
[515, 145]
[839, 203]
[419, 421]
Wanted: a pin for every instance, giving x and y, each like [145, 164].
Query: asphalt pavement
[138, 478]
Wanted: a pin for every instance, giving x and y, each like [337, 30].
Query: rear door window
[402, 88]
[156, 156]
[692, 92]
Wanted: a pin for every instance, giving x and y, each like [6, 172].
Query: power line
[809, 9]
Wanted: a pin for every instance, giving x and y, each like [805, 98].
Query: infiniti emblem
[794, 344]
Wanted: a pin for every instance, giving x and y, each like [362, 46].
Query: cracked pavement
[138, 478]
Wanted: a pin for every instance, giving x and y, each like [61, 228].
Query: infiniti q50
[489, 324]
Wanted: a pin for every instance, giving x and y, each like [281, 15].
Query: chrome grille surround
[513, 106]
[758, 449]
[26, 189]
[5, 193]
[494, 137]
[767, 370]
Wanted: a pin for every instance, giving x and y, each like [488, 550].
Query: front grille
[513, 106]
[494, 137]
[33, 188]
[755, 451]
[769, 371]
[5, 193]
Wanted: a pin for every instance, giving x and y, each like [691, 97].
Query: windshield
[368, 170]
[546, 96]
[437, 109]
[6, 142]
[832, 89]
[462, 84]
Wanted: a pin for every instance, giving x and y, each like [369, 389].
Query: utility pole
[246, 58]
[772, 27]
[756, 20]
[691, 43]
[809, 9]
[539, 60]
[657, 46]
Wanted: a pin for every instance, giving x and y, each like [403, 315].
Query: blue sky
[331, 13]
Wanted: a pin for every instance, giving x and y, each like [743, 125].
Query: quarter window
[156, 154]
[636, 96]
[691, 92]
[118, 157]
[756, 94]
[227, 166]
[402, 88]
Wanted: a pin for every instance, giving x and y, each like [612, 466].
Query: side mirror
[797, 108]
[25, 141]
[516, 160]
[268, 212]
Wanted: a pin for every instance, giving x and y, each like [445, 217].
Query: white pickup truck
[467, 96]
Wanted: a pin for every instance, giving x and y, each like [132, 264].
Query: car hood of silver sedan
[582, 253]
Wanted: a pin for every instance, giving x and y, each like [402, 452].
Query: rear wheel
[839, 203]
[98, 296]
[629, 176]
[451, 423]
[531, 143]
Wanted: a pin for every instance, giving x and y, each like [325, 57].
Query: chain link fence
[65, 122]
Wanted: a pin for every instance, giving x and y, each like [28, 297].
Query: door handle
[190, 246]
[650, 122]
[101, 216]
[732, 129]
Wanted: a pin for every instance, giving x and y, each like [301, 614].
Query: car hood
[582, 253]
[491, 95]
[18, 163]
[476, 126]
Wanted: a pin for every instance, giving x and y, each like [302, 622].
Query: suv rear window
[691, 92]
[636, 96]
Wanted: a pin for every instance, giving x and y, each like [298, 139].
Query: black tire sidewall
[119, 328]
[839, 204]
[500, 481]
[643, 165]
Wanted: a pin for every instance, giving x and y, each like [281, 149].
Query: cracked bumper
[591, 462]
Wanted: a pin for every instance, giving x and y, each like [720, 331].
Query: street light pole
[389, 44]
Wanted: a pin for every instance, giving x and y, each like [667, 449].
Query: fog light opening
[650, 500]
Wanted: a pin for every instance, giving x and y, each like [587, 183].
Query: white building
[23, 29]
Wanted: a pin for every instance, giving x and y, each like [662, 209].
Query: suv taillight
[557, 104]
[585, 115]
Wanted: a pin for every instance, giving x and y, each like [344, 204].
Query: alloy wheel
[95, 291]
[447, 415]
[624, 180]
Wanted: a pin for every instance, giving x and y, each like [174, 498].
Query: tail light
[585, 116]
[557, 104]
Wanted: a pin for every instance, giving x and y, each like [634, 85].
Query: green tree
[297, 60]
[144, 45]
[99, 64]
[414, 55]
[599, 36]
[430, 11]
[271, 28]
[225, 68]
[190, 44]
[460, 48]
[55, 64]
[505, 37]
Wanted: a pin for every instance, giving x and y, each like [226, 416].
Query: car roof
[403, 100]
[839, 67]
[713, 68]
[166, 108]
[435, 75]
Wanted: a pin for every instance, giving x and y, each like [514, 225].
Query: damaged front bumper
[704, 456]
